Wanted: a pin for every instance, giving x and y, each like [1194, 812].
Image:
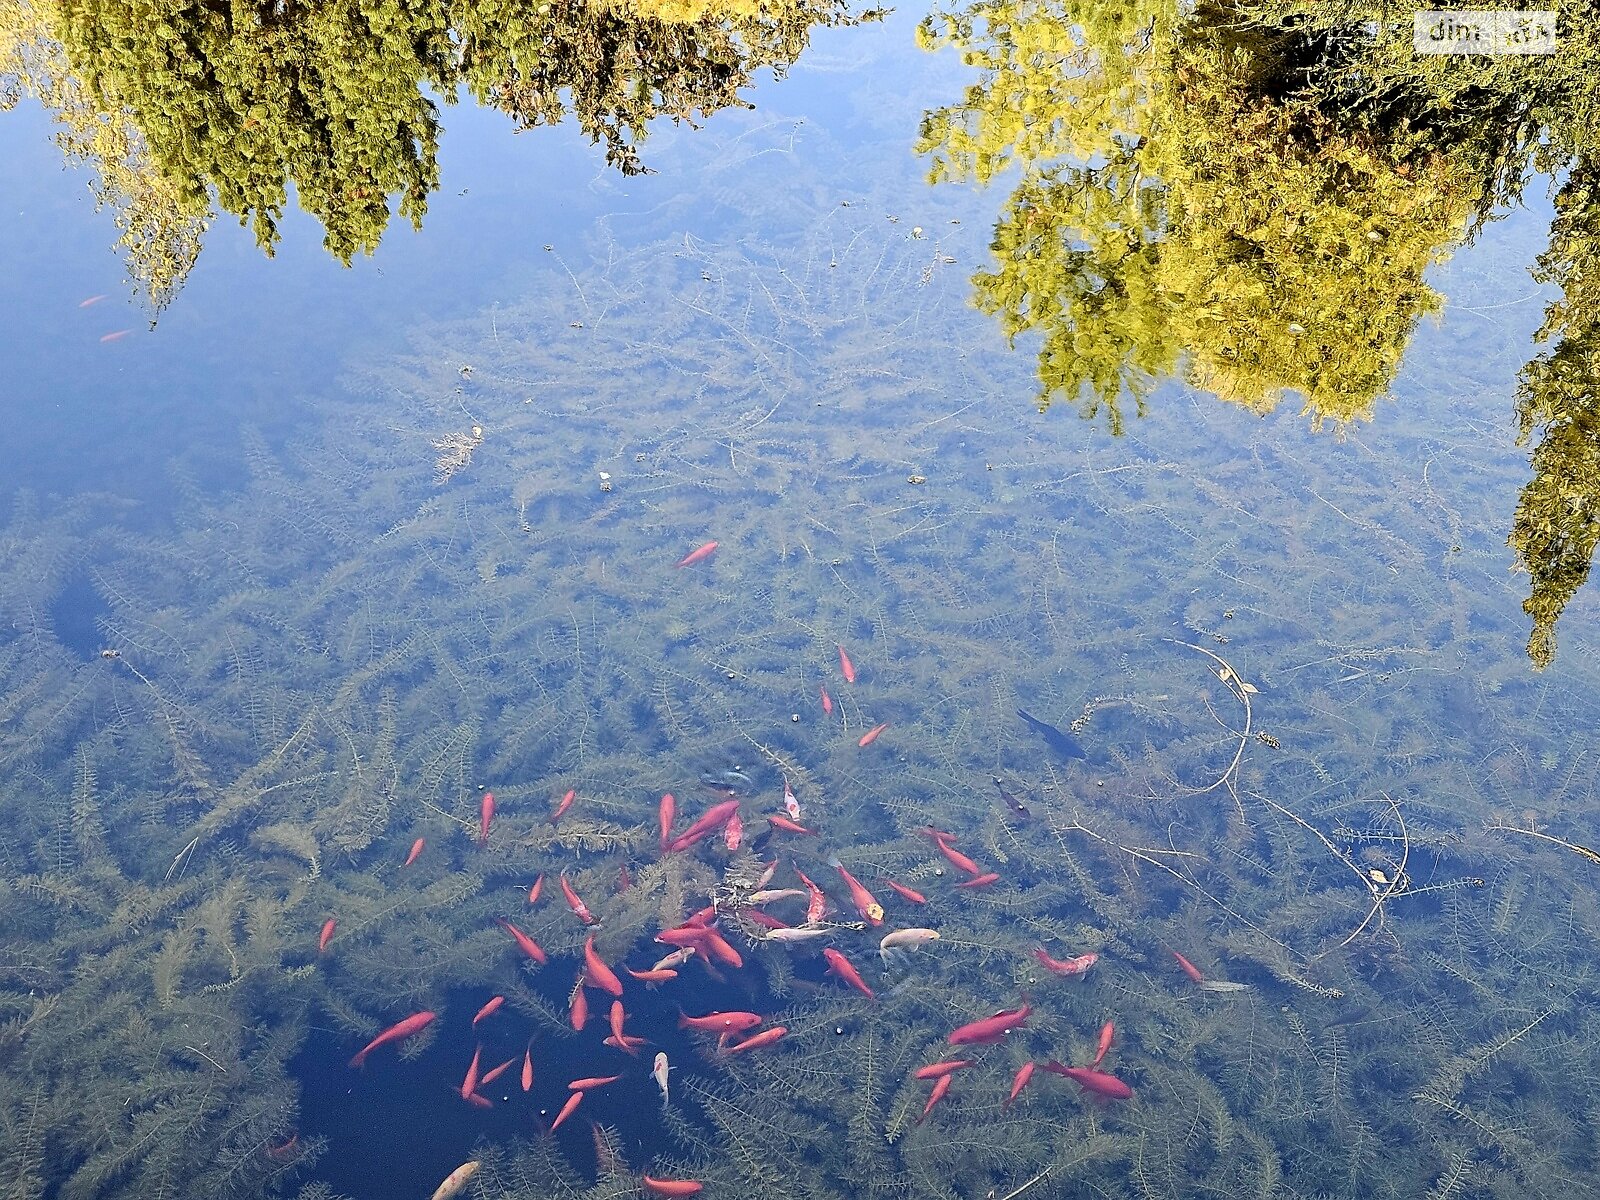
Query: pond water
[1145, 514]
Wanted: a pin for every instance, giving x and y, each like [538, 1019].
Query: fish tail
[833, 861]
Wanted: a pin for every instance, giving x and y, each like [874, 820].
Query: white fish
[790, 804]
[456, 1180]
[902, 940]
[795, 935]
[772, 895]
[659, 1073]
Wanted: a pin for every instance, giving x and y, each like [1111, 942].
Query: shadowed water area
[1092, 505]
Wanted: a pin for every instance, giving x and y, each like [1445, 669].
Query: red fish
[979, 881]
[865, 904]
[579, 908]
[479, 1101]
[618, 1016]
[115, 337]
[959, 860]
[524, 943]
[533, 892]
[1070, 966]
[901, 889]
[940, 1087]
[596, 971]
[818, 907]
[846, 667]
[527, 1068]
[395, 1033]
[92, 300]
[841, 966]
[763, 919]
[1189, 969]
[470, 1083]
[1019, 1081]
[787, 825]
[660, 975]
[566, 803]
[938, 835]
[624, 880]
[720, 1022]
[416, 849]
[697, 555]
[1107, 1032]
[935, 1070]
[871, 735]
[827, 702]
[672, 1187]
[1089, 1080]
[490, 1076]
[716, 946]
[326, 936]
[715, 818]
[580, 1006]
[757, 1040]
[566, 1110]
[583, 1085]
[667, 810]
[485, 816]
[489, 1009]
[991, 1029]
[733, 832]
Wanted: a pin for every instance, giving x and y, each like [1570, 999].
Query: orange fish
[757, 1040]
[1019, 1081]
[720, 1022]
[533, 892]
[1189, 969]
[935, 1070]
[659, 975]
[479, 1101]
[1069, 966]
[491, 1076]
[395, 1033]
[672, 1187]
[618, 1016]
[818, 907]
[328, 927]
[524, 943]
[527, 1068]
[846, 667]
[566, 803]
[667, 810]
[566, 1110]
[901, 889]
[577, 906]
[871, 735]
[940, 1087]
[485, 816]
[595, 970]
[827, 702]
[416, 849]
[979, 881]
[697, 555]
[958, 859]
[787, 825]
[865, 904]
[115, 337]
[470, 1083]
[583, 1085]
[841, 966]
[733, 832]
[1107, 1032]
[489, 1009]
[580, 1006]
[91, 301]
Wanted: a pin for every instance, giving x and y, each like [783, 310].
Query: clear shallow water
[326, 651]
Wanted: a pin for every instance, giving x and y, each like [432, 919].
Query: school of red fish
[700, 939]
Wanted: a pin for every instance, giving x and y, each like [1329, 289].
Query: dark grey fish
[728, 781]
[1015, 808]
[1064, 744]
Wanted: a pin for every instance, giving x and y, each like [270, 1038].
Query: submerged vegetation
[1311, 768]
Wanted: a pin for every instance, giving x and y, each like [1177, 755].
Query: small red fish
[841, 966]
[578, 907]
[935, 1070]
[720, 1022]
[470, 1083]
[763, 919]
[658, 975]
[485, 816]
[395, 1033]
[991, 1029]
[757, 1040]
[1189, 969]
[672, 1187]
[416, 849]
[580, 1006]
[596, 972]
[1107, 1032]
[827, 702]
[733, 832]
[326, 936]
[667, 810]
[479, 1101]
[1097, 1082]
[871, 735]
[901, 889]
[940, 1087]
[818, 907]
[491, 1075]
[566, 803]
[533, 892]
[618, 1016]
[846, 667]
[91, 301]
[865, 904]
[1019, 1081]
[1069, 966]
[959, 860]
[697, 555]
[115, 337]
[489, 1009]
[594, 1081]
[714, 819]
[284, 1152]
[524, 943]
[788, 826]
[527, 1068]
[566, 1110]
[979, 881]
